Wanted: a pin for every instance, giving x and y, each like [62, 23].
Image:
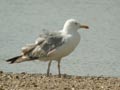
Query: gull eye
[76, 23]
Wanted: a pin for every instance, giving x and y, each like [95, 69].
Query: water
[98, 53]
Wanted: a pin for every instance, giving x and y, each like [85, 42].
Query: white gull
[52, 45]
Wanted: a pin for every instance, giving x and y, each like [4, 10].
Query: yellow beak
[84, 26]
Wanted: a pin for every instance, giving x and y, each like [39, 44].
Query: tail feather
[21, 58]
[26, 51]
[12, 60]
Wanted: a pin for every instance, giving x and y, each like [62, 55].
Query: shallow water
[98, 52]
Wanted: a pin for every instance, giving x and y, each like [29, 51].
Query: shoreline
[26, 81]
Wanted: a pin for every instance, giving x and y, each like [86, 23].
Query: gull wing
[44, 46]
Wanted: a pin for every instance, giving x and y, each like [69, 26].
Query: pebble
[24, 81]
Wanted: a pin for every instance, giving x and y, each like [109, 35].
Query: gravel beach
[25, 81]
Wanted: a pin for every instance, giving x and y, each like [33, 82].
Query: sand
[25, 81]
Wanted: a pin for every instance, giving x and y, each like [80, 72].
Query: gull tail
[24, 56]
[17, 59]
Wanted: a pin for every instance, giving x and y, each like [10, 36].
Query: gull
[52, 45]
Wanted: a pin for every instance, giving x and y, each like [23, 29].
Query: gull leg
[48, 70]
[59, 68]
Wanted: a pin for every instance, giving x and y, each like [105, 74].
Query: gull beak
[84, 26]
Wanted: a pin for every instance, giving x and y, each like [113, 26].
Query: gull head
[72, 24]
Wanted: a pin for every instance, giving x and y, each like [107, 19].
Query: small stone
[35, 85]
[23, 72]
[72, 88]
[1, 72]
[17, 77]
[102, 86]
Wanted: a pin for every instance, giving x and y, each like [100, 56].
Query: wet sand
[25, 81]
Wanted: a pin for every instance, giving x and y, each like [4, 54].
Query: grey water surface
[21, 21]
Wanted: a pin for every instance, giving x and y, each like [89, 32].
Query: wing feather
[44, 46]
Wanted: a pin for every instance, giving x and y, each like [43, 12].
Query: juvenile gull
[52, 45]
